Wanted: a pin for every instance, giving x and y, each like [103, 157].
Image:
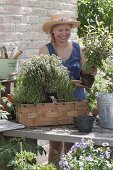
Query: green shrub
[9, 149]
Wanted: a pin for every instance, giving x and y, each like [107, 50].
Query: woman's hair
[52, 38]
[52, 34]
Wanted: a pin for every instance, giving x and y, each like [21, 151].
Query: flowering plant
[86, 156]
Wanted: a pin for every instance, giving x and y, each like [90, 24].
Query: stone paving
[43, 159]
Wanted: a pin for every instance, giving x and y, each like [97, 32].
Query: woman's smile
[62, 32]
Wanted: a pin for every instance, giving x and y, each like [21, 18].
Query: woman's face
[62, 32]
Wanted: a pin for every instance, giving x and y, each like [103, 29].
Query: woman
[59, 27]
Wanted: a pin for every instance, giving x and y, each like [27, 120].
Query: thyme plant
[39, 74]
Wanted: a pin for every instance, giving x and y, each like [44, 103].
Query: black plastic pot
[84, 123]
[87, 79]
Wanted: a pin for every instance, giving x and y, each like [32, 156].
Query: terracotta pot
[10, 98]
[12, 114]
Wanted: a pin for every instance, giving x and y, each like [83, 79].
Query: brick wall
[21, 20]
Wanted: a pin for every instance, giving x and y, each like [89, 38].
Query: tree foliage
[91, 12]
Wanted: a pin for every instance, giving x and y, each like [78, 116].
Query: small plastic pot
[87, 79]
[84, 123]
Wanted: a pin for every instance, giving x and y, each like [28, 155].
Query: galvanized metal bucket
[105, 106]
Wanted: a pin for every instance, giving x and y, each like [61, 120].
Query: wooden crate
[50, 113]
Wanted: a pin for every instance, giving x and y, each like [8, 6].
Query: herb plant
[98, 46]
[39, 75]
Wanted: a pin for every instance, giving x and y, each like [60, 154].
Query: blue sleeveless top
[74, 66]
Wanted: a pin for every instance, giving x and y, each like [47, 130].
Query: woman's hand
[77, 83]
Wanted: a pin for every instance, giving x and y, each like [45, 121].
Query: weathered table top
[63, 133]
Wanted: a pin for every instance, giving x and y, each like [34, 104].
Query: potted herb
[44, 94]
[84, 155]
[98, 46]
[40, 76]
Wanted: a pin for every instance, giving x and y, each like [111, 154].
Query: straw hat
[60, 18]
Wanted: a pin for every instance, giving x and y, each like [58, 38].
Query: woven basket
[50, 113]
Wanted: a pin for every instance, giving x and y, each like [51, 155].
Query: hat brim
[48, 25]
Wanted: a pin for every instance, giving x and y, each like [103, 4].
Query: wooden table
[63, 133]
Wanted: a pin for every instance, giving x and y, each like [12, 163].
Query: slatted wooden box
[50, 113]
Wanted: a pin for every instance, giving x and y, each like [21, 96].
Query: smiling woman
[59, 26]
